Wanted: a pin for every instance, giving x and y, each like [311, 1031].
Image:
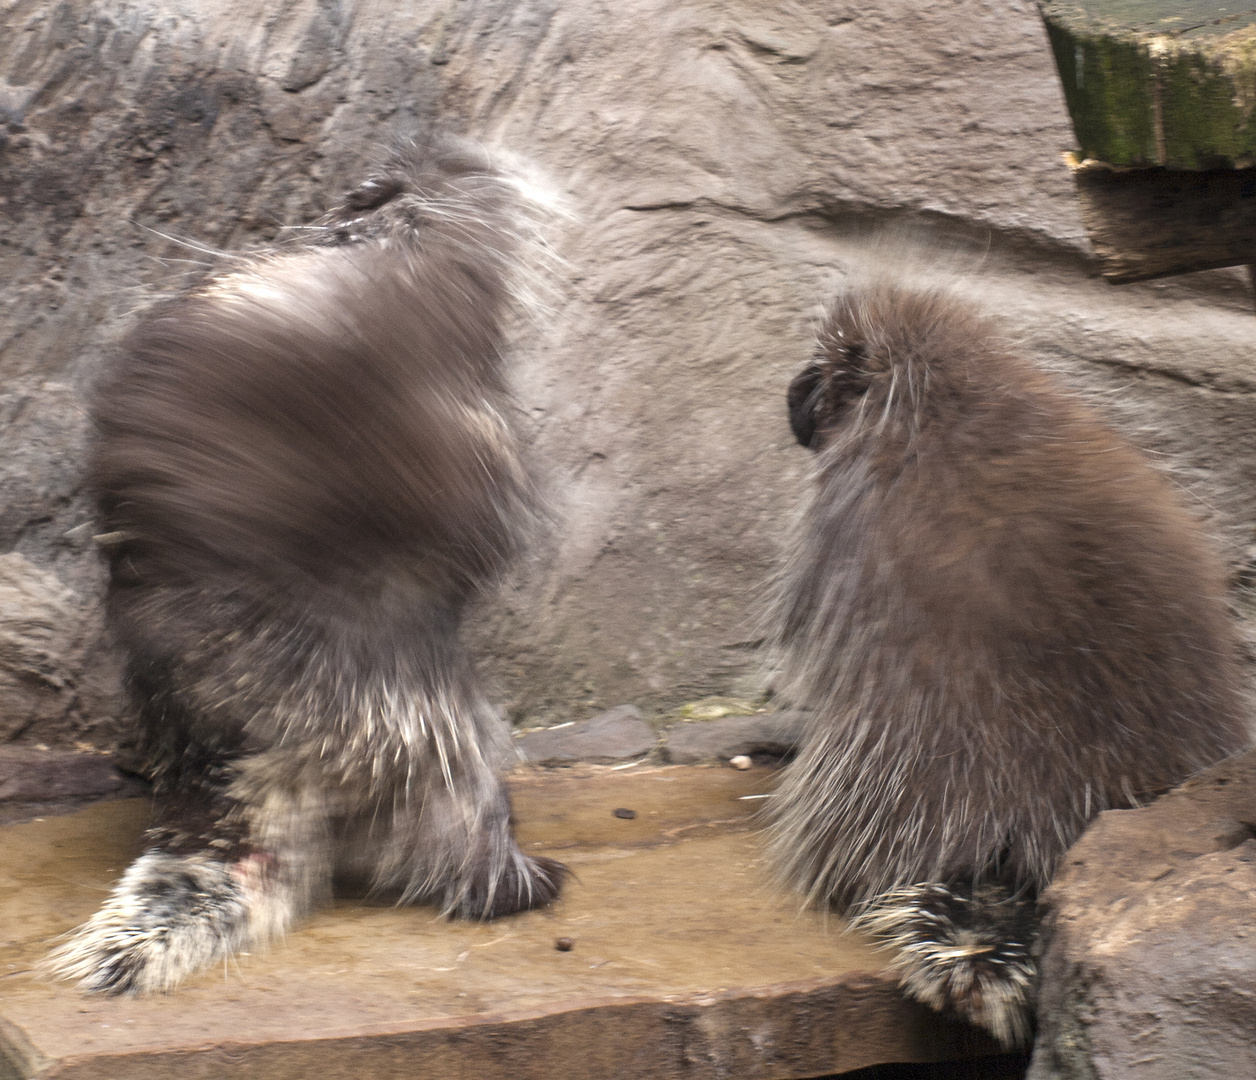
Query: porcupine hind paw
[527, 882]
[168, 917]
[962, 948]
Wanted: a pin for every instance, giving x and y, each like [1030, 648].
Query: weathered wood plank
[1148, 223]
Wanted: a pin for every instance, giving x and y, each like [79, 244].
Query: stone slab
[1149, 970]
[619, 734]
[34, 782]
[686, 962]
[774, 734]
[28, 775]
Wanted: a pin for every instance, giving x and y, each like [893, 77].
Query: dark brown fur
[1001, 614]
[306, 468]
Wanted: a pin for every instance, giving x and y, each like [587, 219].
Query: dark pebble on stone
[565, 944]
[624, 812]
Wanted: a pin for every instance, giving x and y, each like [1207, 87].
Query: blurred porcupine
[306, 468]
[1004, 622]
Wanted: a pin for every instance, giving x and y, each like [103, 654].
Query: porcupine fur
[305, 469]
[1005, 623]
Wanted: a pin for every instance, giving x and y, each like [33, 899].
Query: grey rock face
[619, 734]
[136, 140]
[777, 734]
[40, 629]
[59, 679]
[1149, 970]
[726, 165]
[35, 783]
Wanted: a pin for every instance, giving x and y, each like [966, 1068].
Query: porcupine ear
[819, 394]
[804, 398]
[373, 193]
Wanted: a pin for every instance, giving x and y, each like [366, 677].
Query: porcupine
[305, 468]
[1005, 623]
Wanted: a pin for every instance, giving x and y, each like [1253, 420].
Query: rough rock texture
[772, 734]
[38, 630]
[56, 680]
[726, 162]
[619, 734]
[1149, 971]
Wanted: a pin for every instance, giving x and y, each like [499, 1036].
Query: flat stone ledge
[37, 782]
[684, 961]
[1149, 966]
[621, 734]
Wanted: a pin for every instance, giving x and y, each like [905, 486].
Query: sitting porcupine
[306, 468]
[1005, 624]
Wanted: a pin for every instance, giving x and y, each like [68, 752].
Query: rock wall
[1148, 971]
[727, 162]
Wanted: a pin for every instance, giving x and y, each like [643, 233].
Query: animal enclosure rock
[39, 634]
[618, 734]
[685, 962]
[777, 734]
[1149, 969]
[725, 164]
[38, 782]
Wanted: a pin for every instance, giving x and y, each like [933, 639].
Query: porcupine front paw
[964, 948]
[168, 917]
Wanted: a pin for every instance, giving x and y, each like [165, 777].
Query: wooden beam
[1149, 223]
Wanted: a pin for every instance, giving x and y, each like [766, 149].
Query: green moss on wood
[1105, 87]
[1140, 96]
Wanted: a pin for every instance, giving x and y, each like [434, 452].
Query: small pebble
[625, 813]
[740, 762]
[565, 944]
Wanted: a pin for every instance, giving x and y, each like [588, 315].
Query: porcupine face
[821, 393]
[878, 349]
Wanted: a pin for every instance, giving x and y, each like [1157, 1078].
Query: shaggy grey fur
[1004, 622]
[305, 470]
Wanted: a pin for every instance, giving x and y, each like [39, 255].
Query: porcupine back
[302, 451]
[1002, 616]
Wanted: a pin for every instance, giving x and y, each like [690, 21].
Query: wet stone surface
[684, 960]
